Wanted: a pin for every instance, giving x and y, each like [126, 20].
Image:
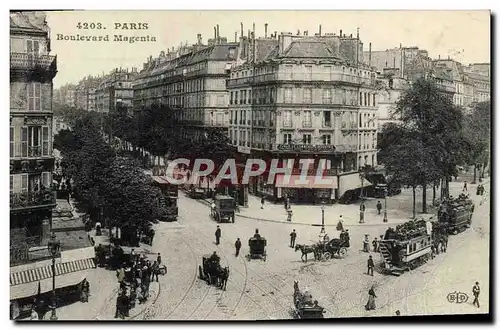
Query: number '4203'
[89, 26]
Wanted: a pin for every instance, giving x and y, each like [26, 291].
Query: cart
[224, 209]
[257, 248]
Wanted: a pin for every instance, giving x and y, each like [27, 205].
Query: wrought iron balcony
[32, 199]
[34, 151]
[25, 61]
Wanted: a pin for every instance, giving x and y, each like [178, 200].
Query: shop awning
[41, 273]
[307, 182]
[33, 288]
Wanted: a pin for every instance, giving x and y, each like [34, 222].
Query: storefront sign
[306, 147]
[244, 150]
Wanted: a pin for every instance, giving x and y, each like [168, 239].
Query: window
[307, 95]
[327, 118]
[287, 138]
[307, 118]
[288, 72]
[366, 103]
[271, 95]
[288, 95]
[327, 139]
[45, 141]
[11, 184]
[219, 119]
[33, 94]
[231, 98]
[360, 98]
[24, 182]
[373, 99]
[360, 121]
[32, 47]
[287, 119]
[24, 141]
[306, 139]
[244, 97]
[46, 179]
[327, 96]
[309, 69]
[235, 97]
[12, 145]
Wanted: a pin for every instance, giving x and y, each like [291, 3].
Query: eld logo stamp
[457, 297]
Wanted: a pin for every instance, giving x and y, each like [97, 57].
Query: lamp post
[54, 246]
[385, 203]
[361, 212]
[322, 232]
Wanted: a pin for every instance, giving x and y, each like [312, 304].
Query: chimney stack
[275, 34]
[341, 33]
[215, 33]
[236, 36]
[241, 29]
[350, 36]
[320, 29]
[265, 30]
[370, 54]
[218, 36]
[199, 39]
[357, 33]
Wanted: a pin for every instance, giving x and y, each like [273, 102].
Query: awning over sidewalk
[31, 289]
[41, 273]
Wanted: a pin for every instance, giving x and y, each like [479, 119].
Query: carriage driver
[214, 258]
[307, 297]
[256, 235]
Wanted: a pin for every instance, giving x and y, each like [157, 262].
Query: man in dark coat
[293, 236]
[476, 291]
[217, 235]
[256, 235]
[237, 246]
[371, 265]
[379, 207]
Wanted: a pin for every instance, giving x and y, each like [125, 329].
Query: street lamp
[361, 212]
[54, 247]
[322, 233]
[385, 203]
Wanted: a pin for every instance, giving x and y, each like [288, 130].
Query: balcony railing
[29, 199]
[239, 81]
[327, 124]
[24, 150]
[34, 151]
[314, 171]
[306, 124]
[25, 61]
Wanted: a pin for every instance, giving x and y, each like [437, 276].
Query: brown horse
[307, 249]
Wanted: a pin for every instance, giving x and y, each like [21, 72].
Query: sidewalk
[399, 209]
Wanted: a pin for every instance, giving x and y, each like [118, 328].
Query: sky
[462, 35]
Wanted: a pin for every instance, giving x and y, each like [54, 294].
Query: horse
[223, 277]
[307, 249]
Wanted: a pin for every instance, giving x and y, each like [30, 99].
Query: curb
[203, 201]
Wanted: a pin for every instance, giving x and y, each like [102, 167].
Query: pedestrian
[362, 207]
[212, 208]
[379, 207]
[465, 186]
[262, 200]
[340, 224]
[120, 274]
[154, 271]
[375, 245]
[288, 202]
[293, 236]
[366, 244]
[98, 231]
[371, 265]
[370, 305]
[476, 291]
[84, 291]
[347, 238]
[237, 246]
[289, 215]
[158, 259]
[34, 314]
[217, 235]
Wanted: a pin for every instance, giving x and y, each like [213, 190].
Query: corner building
[32, 197]
[299, 97]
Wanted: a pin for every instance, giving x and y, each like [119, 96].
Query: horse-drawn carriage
[224, 209]
[213, 273]
[305, 307]
[324, 250]
[257, 248]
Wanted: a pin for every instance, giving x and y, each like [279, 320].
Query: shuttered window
[24, 141]
[46, 179]
[45, 141]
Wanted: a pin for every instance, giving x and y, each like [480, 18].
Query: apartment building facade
[190, 80]
[113, 89]
[305, 97]
[32, 197]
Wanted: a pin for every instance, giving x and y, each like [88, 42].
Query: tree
[478, 132]
[411, 163]
[428, 114]
[131, 202]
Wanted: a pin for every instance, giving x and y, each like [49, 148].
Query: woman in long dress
[370, 305]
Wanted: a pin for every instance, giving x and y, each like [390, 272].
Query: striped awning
[41, 273]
